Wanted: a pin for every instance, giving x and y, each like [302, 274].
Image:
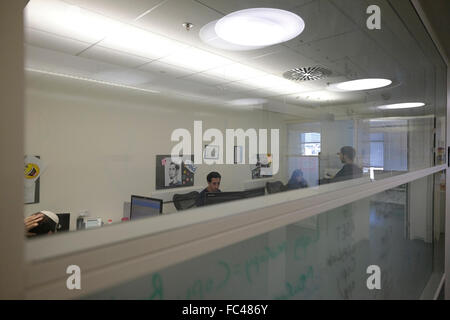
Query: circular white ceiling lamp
[360, 85]
[259, 27]
[397, 106]
[209, 36]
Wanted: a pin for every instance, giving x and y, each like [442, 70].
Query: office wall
[11, 146]
[99, 143]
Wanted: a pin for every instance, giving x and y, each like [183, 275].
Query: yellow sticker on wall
[31, 171]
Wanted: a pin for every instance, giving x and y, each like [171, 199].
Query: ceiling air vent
[307, 73]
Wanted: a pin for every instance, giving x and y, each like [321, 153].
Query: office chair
[275, 187]
[186, 200]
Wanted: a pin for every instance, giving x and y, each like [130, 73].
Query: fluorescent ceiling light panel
[247, 102]
[259, 27]
[273, 83]
[142, 43]
[406, 105]
[196, 60]
[317, 96]
[361, 84]
[235, 72]
[90, 80]
[69, 21]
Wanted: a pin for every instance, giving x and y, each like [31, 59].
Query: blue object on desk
[142, 207]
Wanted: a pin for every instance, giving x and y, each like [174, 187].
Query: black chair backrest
[275, 187]
[186, 200]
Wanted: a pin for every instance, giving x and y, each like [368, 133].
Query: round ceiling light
[361, 84]
[406, 105]
[259, 27]
[209, 36]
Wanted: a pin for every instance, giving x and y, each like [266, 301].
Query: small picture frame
[211, 152]
[170, 173]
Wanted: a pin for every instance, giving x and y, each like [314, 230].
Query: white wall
[99, 144]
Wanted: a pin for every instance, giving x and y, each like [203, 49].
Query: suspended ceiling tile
[322, 20]
[165, 69]
[54, 42]
[281, 61]
[229, 6]
[343, 45]
[205, 79]
[167, 20]
[125, 11]
[114, 56]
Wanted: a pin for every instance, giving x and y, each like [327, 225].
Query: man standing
[213, 179]
[349, 170]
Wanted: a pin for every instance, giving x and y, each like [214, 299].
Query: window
[377, 150]
[310, 143]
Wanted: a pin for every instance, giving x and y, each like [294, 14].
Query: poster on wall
[32, 172]
[173, 174]
[263, 166]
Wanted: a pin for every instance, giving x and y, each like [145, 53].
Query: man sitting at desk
[349, 170]
[213, 179]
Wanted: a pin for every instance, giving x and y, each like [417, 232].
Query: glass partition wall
[149, 100]
[328, 256]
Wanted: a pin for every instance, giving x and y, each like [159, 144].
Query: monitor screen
[142, 207]
[219, 197]
[64, 222]
[255, 192]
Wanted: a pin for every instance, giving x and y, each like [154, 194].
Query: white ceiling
[335, 37]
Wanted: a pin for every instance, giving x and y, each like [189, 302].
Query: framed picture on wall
[211, 152]
[174, 173]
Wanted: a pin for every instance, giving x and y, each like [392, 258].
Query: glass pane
[322, 257]
[123, 103]
[377, 154]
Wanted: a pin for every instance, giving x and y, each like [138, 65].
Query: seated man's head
[347, 154]
[47, 225]
[297, 175]
[213, 179]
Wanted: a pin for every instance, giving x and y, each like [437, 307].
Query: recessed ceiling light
[247, 102]
[406, 105]
[259, 26]
[361, 84]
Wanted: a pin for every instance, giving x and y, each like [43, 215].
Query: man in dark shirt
[213, 179]
[349, 170]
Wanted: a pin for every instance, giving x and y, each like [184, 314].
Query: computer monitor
[219, 197]
[64, 222]
[142, 207]
[250, 193]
